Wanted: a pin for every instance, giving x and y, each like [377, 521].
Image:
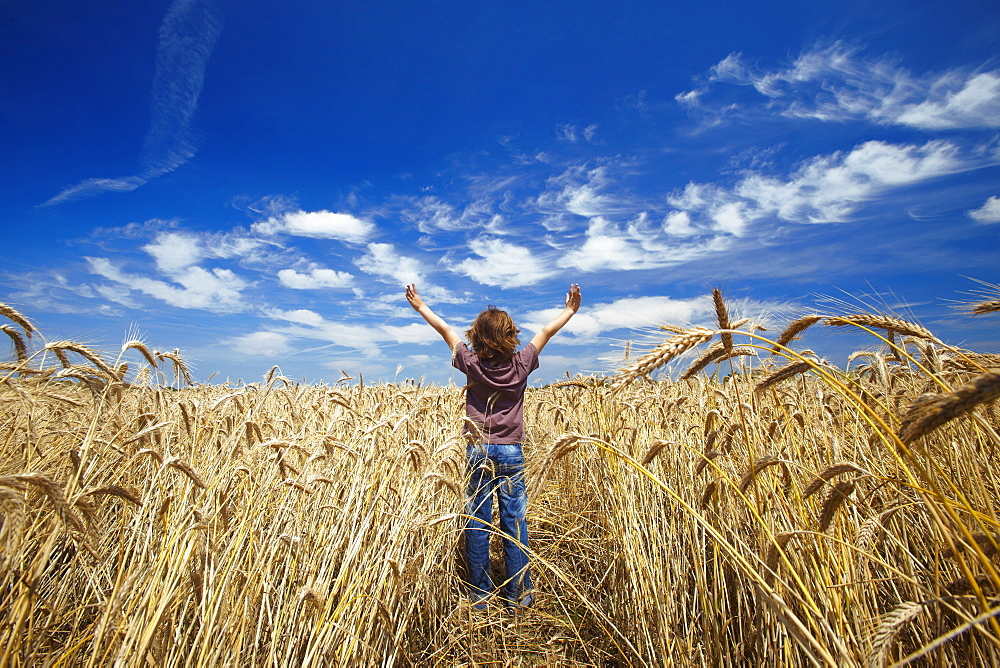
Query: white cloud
[567, 132]
[306, 324]
[829, 188]
[175, 251]
[95, 186]
[639, 245]
[192, 287]
[730, 218]
[988, 212]
[432, 214]
[678, 224]
[954, 103]
[267, 344]
[824, 189]
[384, 261]
[316, 278]
[504, 264]
[318, 225]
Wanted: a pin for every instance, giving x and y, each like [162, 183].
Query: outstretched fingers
[412, 296]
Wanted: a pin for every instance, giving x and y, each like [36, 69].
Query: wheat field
[764, 508]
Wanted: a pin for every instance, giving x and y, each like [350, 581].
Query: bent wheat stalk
[874, 321]
[929, 412]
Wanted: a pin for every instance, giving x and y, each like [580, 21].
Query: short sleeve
[460, 360]
[529, 357]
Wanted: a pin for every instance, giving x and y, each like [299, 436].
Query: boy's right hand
[411, 296]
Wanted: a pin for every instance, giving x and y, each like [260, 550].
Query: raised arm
[549, 330]
[432, 318]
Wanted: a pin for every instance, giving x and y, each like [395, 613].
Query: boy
[494, 403]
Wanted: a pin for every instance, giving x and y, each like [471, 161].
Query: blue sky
[254, 183]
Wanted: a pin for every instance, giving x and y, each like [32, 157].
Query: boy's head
[493, 335]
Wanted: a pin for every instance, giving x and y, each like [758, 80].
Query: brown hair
[493, 336]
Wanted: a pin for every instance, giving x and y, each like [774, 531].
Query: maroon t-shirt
[494, 398]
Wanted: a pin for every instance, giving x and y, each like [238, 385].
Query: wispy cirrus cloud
[581, 190]
[573, 134]
[299, 325]
[838, 82]
[186, 40]
[432, 214]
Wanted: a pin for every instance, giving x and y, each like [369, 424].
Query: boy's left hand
[573, 298]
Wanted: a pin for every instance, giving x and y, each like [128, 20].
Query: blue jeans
[497, 468]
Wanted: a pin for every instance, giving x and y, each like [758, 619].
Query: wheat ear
[785, 372]
[654, 450]
[125, 493]
[991, 306]
[795, 328]
[11, 314]
[83, 351]
[185, 468]
[713, 353]
[136, 344]
[722, 315]
[20, 349]
[758, 466]
[660, 355]
[774, 552]
[838, 495]
[893, 621]
[826, 474]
